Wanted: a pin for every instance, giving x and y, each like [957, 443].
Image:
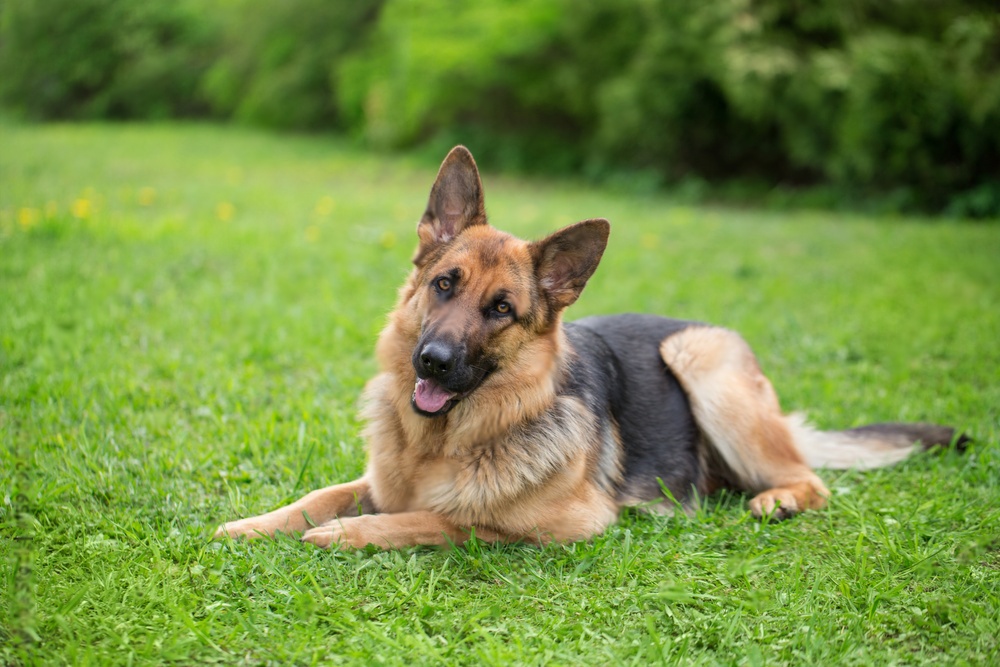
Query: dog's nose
[437, 359]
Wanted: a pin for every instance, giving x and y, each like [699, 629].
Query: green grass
[162, 370]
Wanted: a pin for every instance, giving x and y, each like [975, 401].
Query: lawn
[186, 319]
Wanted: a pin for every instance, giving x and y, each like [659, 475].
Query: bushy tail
[871, 446]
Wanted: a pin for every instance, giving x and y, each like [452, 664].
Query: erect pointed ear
[565, 260]
[456, 202]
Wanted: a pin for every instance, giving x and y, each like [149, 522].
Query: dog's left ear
[565, 260]
[456, 202]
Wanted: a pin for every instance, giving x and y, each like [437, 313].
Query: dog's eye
[443, 284]
[503, 308]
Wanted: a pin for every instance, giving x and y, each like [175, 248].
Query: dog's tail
[871, 446]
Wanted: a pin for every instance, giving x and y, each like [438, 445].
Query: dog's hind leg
[737, 410]
[313, 509]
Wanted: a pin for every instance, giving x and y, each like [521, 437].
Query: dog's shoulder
[618, 361]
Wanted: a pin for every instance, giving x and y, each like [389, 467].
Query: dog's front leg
[316, 508]
[393, 531]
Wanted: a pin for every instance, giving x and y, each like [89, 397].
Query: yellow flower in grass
[81, 209]
[27, 217]
[225, 211]
[147, 196]
[325, 206]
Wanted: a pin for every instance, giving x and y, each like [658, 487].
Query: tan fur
[315, 508]
[841, 450]
[737, 409]
[392, 531]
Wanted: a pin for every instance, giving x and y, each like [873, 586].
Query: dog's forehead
[488, 254]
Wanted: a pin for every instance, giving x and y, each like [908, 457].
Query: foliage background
[187, 314]
[896, 102]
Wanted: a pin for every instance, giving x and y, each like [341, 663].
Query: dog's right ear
[456, 202]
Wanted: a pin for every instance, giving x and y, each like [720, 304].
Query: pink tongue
[430, 396]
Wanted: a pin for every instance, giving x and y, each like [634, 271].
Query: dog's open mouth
[431, 399]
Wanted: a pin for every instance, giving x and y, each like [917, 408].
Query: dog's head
[479, 296]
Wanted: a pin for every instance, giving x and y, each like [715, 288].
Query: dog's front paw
[774, 504]
[347, 533]
[244, 528]
[323, 536]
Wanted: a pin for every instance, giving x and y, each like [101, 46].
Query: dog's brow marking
[490, 252]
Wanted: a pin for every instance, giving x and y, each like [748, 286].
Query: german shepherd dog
[493, 417]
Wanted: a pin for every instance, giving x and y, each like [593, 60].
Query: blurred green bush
[898, 99]
[895, 97]
[275, 66]
[103, 58]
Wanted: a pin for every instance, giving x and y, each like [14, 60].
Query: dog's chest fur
[502, 481]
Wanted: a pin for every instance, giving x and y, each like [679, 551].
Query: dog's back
[618, 359]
